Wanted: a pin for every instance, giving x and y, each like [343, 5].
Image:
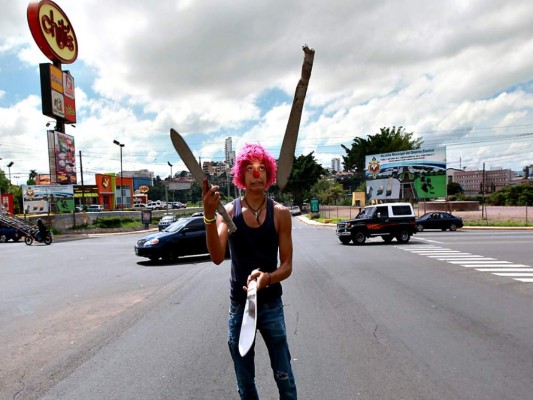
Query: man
[263, 228]
[42, 229]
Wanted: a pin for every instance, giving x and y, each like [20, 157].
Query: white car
[295, 210]
[95, 207]
[139, 206]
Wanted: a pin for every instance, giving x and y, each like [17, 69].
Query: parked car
[178, 204]
[166, 221]
[184, 237]
[295, 210]
[139, 206]
[95, 207]
[7, 233]
[438, 220]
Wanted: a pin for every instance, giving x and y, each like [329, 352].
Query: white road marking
[518, 272]
[508, 269]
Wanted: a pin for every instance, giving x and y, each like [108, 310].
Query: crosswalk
[518, 272]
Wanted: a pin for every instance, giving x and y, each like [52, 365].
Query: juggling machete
[249, 320]
[286, 155]
[190, 161]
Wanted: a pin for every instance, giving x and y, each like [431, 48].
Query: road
[86, 319]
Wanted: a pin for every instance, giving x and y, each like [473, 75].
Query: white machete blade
[249, 320]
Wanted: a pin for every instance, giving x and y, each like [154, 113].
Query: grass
[497, 223]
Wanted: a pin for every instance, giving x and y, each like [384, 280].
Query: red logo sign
[52, 31]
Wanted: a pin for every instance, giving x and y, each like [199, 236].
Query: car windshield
[167, 218]
[176, 225]
[366, 212]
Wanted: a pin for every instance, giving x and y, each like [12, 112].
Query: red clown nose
[255, 174]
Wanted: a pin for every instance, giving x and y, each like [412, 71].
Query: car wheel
[420, 227]
[169, 255]
[387, 238]
[3, 239]
[345, 240]
[358, 237]
[453, 227]
[153, 258]
[403, 237]
[16, 239]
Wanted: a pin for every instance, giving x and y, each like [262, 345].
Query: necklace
[257, 213]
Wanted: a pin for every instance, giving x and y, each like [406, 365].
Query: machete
[286, 154]
[198, 174]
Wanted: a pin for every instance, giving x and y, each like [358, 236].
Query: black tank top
[253, 248]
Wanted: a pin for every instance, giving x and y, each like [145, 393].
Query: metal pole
[121, 181]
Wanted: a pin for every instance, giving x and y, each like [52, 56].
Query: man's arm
[283, 222]
[216, 232]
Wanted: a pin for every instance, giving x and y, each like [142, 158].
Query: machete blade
[188, 158]
[286, 155]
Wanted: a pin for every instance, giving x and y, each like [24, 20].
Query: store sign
[57, 93]
[52, 31]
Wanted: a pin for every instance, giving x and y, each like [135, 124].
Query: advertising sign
[57, 93]
[410, 174]
[52, 31]
[65, 155]
[6, 202]
[47, 198]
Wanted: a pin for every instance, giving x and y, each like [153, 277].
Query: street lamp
[121, 145]
[170, 165]
[9, 169]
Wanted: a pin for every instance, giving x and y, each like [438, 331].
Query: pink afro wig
[253, 153]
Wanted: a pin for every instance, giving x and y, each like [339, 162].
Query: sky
[456, 73]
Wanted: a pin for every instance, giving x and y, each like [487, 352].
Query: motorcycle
[37, 236]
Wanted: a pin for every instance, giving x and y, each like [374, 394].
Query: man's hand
[264, 279]
[211, 198]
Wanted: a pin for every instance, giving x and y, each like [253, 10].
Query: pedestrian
[263, 229]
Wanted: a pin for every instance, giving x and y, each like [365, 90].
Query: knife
[249, 320]
[198, 174]
[286, 155]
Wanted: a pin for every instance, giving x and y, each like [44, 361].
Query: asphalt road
[443, 317]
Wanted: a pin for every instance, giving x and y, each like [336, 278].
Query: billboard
[47, 198]
[406, 175]
[65, 152]
[62, 158]
[57, 93]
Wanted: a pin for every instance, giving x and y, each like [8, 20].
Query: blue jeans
[271, 324]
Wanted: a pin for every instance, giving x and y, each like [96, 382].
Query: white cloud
[446, 71]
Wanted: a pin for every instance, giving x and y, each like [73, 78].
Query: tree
[31, 178]
[305, 173]
[388, 140]
[454, 188]
[516, 195]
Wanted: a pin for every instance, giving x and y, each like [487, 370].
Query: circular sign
[144, 189]
[52, 31]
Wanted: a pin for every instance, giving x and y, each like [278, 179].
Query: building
[229, 154]
[336, 164]
[474, 181]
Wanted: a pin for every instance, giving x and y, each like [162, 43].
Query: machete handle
[222, 211]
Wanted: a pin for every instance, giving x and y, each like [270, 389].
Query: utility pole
[83, 202]
[483, 193]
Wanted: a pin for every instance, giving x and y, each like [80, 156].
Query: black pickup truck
[391, 220]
